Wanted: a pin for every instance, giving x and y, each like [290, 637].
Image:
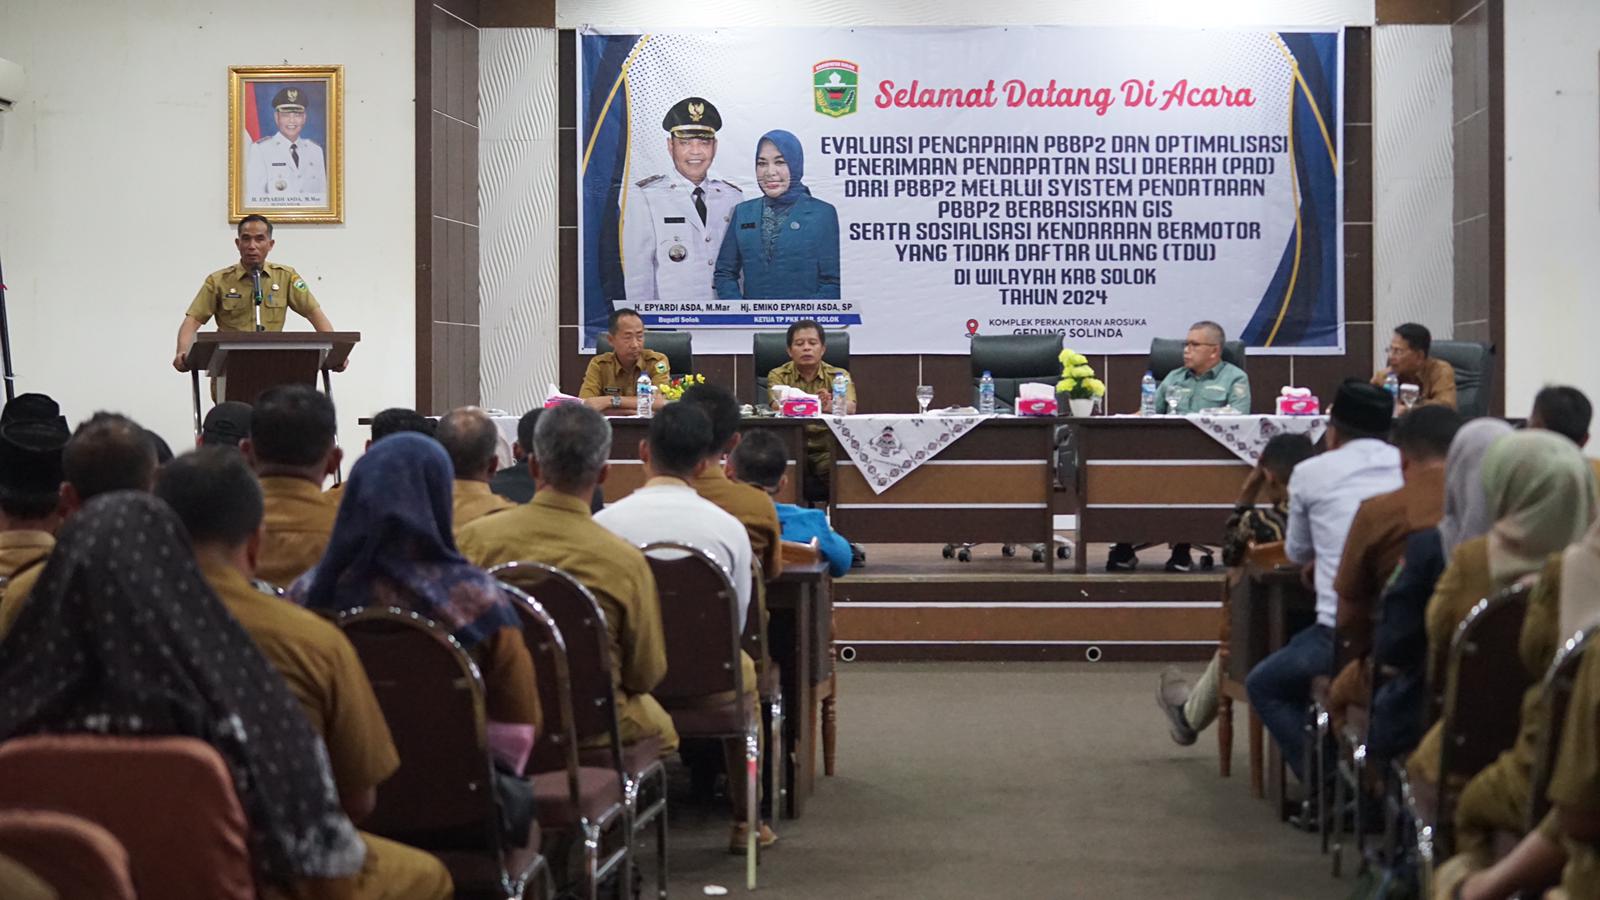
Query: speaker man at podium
[253, 295]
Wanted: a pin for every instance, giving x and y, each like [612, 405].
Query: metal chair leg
[752, 766]
[1337, 826]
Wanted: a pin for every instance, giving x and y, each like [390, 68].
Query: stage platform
[910, 603]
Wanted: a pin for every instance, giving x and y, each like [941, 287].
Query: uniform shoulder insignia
[267, 138]
[736, 189]
[646, 182]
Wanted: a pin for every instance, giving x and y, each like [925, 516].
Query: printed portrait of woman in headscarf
[783, 245]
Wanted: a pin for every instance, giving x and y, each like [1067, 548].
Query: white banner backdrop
[1109, 184]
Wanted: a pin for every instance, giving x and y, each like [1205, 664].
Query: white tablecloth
[888, 448]
[1246, 436]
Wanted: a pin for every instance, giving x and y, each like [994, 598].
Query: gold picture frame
[286, 143]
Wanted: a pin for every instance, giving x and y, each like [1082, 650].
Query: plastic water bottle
[986, 394]
[1147, 395]
[646, 396]
[841, 393]
[1391, 383]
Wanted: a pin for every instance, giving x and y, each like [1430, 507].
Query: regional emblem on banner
[833, 84]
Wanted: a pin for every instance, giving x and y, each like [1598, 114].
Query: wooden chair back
[442, 796]
[1484, 684]
[73, 855]
[1557, 694]
[153, 794]
[581, 625]
[699, 613]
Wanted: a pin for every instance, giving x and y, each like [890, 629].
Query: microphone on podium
[255, 279]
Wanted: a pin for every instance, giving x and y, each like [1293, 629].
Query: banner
[919, 186]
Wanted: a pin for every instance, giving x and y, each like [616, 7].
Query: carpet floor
[1035, 780]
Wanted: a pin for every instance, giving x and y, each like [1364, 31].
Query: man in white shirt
[1324, 494]
[668, 508]
[286, 168]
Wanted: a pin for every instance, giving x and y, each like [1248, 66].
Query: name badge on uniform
[231, 295]
[611, 390]
[672, 220]
[750, 225]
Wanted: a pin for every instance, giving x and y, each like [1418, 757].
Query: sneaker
[1122, 559]
[736, 840]
[1171, 694]
[1180, 561]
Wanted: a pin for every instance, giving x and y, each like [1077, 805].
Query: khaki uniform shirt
[298, 519]
[1463, 583]
[473, 501]
[20, 549]
[16, 593]
[606, 377]
[754, 509]
[558, 530]
[1575, 783]
[1437, 380]
[1376, 542]
[324, 674]
[816, 433]
[229, 294]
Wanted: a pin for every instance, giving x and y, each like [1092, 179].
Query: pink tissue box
[557, 401]
[1298, 406]
[801, 406]
[1039, 406]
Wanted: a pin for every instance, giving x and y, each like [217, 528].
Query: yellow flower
[1081, 372]
[1065, 385]
[1065, 357]
[1079, 359]
[1095, 386]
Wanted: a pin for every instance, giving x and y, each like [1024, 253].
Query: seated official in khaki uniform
[612, 380]
[107, 453]
[471, 438]
[1409, 361]
[750, 505]
[570, 447]
[30, 492]
[213, 491]
[807, 371]
[235, 295]
[291, 447]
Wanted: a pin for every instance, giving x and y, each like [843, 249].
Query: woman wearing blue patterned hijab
[783, 245]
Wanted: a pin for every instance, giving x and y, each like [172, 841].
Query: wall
[113, 205]
[1413, 187]
[1552, 198]
[887, 382]
[1477, 32]
[517, 199]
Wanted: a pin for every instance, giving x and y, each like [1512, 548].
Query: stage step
[1026, 615]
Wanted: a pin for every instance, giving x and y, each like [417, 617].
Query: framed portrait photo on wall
[286, 143]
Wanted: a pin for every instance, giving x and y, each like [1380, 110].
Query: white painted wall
[113, 205]
[1552, 223]
[1413, 182]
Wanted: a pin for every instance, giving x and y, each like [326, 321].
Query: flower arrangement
[1078, 381]
[673, 390]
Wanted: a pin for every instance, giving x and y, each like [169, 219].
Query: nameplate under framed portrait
[286, 143]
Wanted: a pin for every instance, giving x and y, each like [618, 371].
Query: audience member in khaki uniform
[214, 493]
[570, 447]
[67, 669]
[1541, 495]
[393, 546]
[291, 447]
[385, 422]
[107, 453]
[470, 437]
[750, 505]
[1566, 411]
[807, 371]
[1377, 540]
[1575, 784]
[612, 380]
[1409, 361]
[30, 492]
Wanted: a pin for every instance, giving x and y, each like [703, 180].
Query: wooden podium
[245, 363]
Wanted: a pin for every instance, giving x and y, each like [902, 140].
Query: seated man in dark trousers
[807, 371]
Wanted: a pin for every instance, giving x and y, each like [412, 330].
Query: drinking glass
[924, 397]
[1176, 397]
[1410, 394]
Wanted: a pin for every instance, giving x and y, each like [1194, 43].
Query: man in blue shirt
[759, 460]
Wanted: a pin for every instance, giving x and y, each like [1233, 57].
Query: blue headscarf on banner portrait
[794, 155]
[603, 163]
[1300, 306]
